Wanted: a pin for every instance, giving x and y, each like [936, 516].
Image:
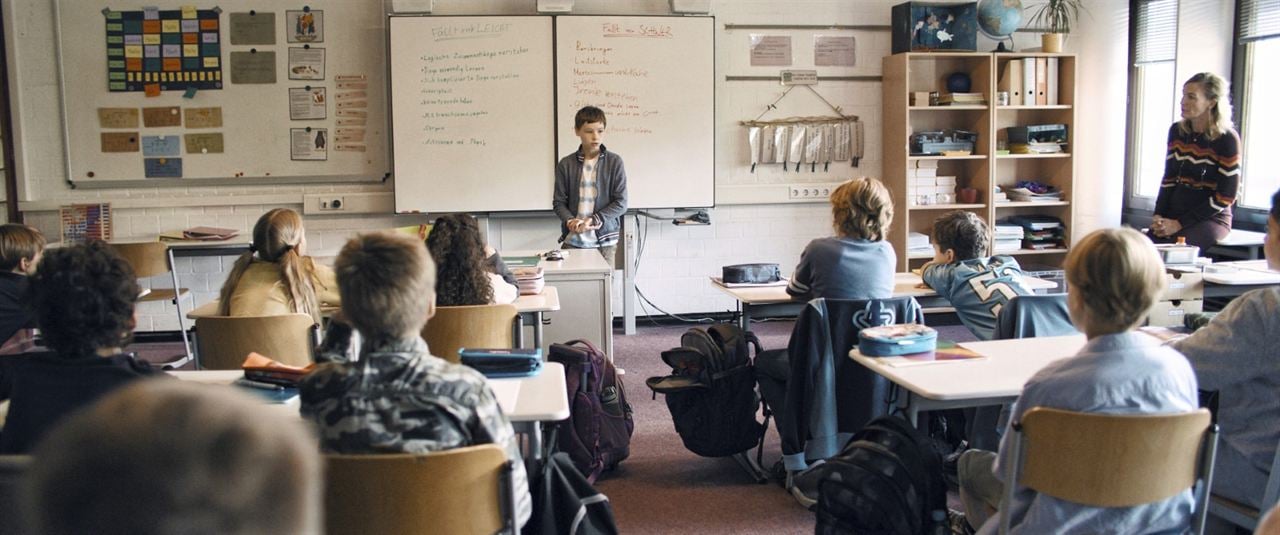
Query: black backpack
[886, 480]
[711, 391]
[597, 435]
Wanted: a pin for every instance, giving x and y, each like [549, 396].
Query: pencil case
[500, 363]
[751, 273]
[890, 340]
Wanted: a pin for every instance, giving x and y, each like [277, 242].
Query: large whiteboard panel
[654, 77]
[255, 125]
[471, 113]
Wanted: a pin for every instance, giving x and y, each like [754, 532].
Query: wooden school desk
[529, 307]
[994, 380]
[763, 301]
[527, 401]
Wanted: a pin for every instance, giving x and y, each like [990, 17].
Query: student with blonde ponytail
[276, 276]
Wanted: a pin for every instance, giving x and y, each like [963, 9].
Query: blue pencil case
[891, 340]
[503, 363]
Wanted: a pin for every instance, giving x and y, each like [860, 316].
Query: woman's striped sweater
[1201, 177]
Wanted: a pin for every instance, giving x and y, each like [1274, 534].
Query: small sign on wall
[770, 50]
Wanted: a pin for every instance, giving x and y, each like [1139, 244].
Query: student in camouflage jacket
[396, 397]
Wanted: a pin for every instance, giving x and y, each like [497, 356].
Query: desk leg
[177, 302]
[537, 329]
[745, 316]
[518, 335]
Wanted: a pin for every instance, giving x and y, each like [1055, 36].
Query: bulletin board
[226, 92]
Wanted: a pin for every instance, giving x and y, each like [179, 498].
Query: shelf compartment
[1033, 156]
[975, 206]
[1045, 107]
[949, 108]
[1025, 204]
[969, 157]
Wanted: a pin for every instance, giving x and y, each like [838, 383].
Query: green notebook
[521, 261]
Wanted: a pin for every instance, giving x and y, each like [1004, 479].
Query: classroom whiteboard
[471, 113]
[482, 107]
[253, 122]
[654, 77]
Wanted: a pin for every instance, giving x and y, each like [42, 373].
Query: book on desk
[945, 352]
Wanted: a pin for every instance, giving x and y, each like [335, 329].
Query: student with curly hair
[83, 298]
[462, 277]
[276, 276]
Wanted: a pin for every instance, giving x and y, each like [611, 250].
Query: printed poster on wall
[307, 103]
[770, 50]
[305, 26]
[306, 63]
[834, 51]
[308, 143]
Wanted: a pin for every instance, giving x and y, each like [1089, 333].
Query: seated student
[1235, 355]
[161, 457]
[976, 285]
[276, 276]
[20, 250]
[462, 276]
[83, 298]
[1115, 277]
[397, 397]
[856, 263]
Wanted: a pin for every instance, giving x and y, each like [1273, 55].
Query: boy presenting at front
[1115, 276]
[977, 286]
[591, 189]
[397, 397]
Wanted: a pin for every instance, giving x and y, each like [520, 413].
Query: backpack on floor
[711, 391]
[597, 435]
[886, 480]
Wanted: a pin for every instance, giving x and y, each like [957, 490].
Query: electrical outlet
[332, 204]
[794, 192]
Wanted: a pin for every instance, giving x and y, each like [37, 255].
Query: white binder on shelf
[1052, 81]
[1028, 81]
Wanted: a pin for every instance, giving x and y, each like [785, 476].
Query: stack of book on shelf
[1032, 191]
[1034, 147]
[1007, 238]
[918, 244]
[998, 195]
[1038, 231]
[925, 187]
[961, 99]
[529, 279]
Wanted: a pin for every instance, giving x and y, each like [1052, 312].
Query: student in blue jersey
[591, 189]
[856, 263]
[1235, 355]
[1115, 276]
[976, 285]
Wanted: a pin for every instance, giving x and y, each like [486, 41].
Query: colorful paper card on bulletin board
[177, 49]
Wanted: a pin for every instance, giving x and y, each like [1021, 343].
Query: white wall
[676, 260]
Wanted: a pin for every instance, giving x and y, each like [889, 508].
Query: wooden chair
[223, 342]
[1111, 460]
[1244, 515]
[12, 470]
[479, 326]
[149, 259]
[459, 491]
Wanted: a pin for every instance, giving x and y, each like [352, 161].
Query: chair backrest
[223, 342]
[12, 470]
[459, 491]
[148, 259]
[1112, 460]
[478, 326]
[1027, 316]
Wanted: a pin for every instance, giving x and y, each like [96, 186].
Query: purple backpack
[597, 435]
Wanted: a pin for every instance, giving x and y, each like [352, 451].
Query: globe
[998, 19]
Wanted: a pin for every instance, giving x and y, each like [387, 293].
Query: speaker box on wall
[691, 6]
[411, 6]
[555, 6]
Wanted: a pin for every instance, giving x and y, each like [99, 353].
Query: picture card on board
[203, 117]
[162, 116]
[305, 26]
[119, 142]
[161, 146]
[307, 103]
[306, 63]
[308, 143]
[253, 67]
[118, 117]
[163, 167]
[256, 28]
[209, 143]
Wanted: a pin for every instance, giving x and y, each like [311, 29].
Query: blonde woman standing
[276, 276]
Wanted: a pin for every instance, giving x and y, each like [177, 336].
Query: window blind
[1259, 19]
[1157, 37]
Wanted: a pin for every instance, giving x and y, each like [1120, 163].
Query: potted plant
[1055, 18]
